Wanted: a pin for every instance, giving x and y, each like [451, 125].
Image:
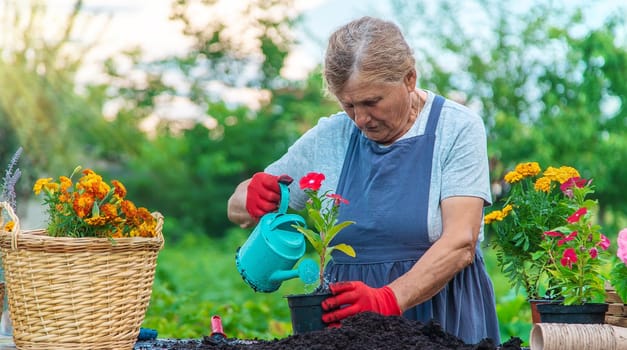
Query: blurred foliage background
[550, 87]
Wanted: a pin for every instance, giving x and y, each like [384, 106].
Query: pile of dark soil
[362, 331]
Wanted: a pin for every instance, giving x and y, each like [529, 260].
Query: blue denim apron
[388, 190]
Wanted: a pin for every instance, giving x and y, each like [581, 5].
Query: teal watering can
[270, 253]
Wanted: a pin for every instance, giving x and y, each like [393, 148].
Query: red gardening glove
[357, 297]
[263, 194]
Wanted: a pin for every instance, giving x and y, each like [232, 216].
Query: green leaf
[345, 248]
[312, 237]
[333, 231]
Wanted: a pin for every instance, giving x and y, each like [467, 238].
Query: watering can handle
[285, 197]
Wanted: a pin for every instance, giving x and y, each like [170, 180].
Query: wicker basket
[77, 293]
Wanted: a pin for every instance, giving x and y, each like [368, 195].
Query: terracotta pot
[535, 315]
[306, 312]
[591, 313]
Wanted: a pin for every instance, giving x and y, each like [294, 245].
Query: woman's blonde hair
[374, 48]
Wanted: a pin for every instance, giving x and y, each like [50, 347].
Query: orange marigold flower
[128, 208]
[513, 176]
[119, 189]
[543, 184]
[97, 220]
[65, 182]
[528, 169]
[9, 226]
[83, 204]
[117, 234]
[65, 197]
[109, 211]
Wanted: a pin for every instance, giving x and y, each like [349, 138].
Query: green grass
[196, 278]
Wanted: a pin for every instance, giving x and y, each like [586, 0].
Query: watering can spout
[307, 271]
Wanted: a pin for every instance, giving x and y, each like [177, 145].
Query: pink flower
[567, 186]
[570, 237]
[573, 182]
[569, 258]
[577, 215]
[311, 181]
[553, 234]
[622, 245]
[605, 242]
[337, 199]
[593, 253]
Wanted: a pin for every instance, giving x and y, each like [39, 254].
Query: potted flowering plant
[90, 270]
[322, 209]
[533, 205]
[577, 252]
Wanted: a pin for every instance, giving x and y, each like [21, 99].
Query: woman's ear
[410, 80]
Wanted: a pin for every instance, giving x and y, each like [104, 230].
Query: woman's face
[382, 111]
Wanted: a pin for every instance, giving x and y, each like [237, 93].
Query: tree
[42, 107]
[197, 167]
[550, 87]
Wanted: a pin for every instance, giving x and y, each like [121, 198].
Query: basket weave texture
[77, 293]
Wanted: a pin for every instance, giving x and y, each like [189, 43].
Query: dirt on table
[362, 331]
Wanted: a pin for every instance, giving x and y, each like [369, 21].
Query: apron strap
[434, 115]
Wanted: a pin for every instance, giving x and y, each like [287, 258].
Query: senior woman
[414, 167]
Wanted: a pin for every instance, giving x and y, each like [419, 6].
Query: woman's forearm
[451, 253]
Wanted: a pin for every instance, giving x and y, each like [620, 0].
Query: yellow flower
[513, 177]
[93, 208]
[543, 184]
[565, 173]
[39, 184]
[96, 220]
[507, 209]
[65, 182]
[561, 174]
[9, 226]
[497, 215]
[528, 169]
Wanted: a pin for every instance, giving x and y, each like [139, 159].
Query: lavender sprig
[11, 176]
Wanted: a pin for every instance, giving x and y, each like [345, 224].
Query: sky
[145, 23]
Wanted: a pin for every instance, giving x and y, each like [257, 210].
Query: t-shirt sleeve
[465, 169]
[321, 149]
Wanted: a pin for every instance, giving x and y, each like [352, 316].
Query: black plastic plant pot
[306, 312]
[592, 313]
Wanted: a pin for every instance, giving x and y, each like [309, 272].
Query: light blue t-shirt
[460, 161]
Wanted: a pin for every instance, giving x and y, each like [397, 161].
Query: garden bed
[363, 331]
